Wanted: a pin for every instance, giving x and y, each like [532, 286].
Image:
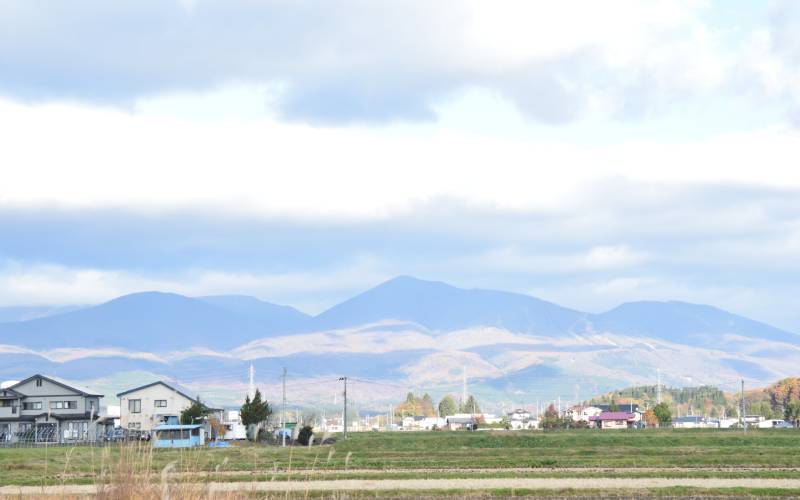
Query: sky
[587, 153]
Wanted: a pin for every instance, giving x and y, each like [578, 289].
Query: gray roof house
[147, 406]
[43, 408]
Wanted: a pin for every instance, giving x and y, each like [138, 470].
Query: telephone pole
[744, 420]
[658, 388]
[283, 411]
[464, 386]
[344, 418]
[251, 390]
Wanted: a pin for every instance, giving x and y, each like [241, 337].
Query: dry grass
[130, 475]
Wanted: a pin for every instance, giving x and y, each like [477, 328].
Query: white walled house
[145, 407]
[46, 409]
[234, 428]
[583, 413]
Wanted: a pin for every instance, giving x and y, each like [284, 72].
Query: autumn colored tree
[650, 418]
[783, 393]
[218, 429]
[551, 419]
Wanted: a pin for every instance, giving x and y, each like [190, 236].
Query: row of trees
[424, 406]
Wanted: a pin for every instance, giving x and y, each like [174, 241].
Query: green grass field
[434, 455]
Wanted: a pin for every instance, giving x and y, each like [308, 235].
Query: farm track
[395, 485]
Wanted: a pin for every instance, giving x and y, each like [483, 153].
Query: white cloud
[513, 259]
[62, 155]
[343, 61]
[50, 284]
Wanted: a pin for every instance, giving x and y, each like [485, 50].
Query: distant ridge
[160, 322]
[150, 321]
[685, 323]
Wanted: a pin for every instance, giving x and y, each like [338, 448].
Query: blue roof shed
[179, 436]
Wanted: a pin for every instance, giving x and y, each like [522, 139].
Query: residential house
[234, 428]
[613, 420]
[460, 422]
[50, 410]
[627, 407]
[583, 413]
[145, 407]
[521, 419]
[689, 422]
[775, 424]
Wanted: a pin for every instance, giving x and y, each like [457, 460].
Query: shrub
[305, 435]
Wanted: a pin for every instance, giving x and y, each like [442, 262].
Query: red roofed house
[613, 420]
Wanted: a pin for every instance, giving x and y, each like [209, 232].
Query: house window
[38, 382]
[63, 405]
[5, 402]
[32, 406]
[160, 403]
[135, 405]
[136, 425]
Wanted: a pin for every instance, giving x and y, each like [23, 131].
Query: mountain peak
[441, 307]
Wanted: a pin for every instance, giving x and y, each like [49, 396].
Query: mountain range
[404, 332]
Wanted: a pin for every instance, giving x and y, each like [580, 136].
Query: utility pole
[658, 388]
[464, 386]
[344, 417]
[283, 411]
[744, 420]
[252, 388]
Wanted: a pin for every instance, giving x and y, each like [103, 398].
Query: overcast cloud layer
[300, 152]
[353, 60]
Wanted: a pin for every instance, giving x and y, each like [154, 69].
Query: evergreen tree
[255, 412]
[448, 406]
[193, 413]
[427, 406]
[470, 405]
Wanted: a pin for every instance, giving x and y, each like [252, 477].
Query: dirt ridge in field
[440, 484]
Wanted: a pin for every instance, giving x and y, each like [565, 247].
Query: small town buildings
[613, 420]
[722, 423]
[46, 409]
[753, 420]
[460, 422]
[775, 424]
[422, 423]
[626, 407]
[689, 422]
[145, 407]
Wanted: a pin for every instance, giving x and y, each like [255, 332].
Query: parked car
[116, 434]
